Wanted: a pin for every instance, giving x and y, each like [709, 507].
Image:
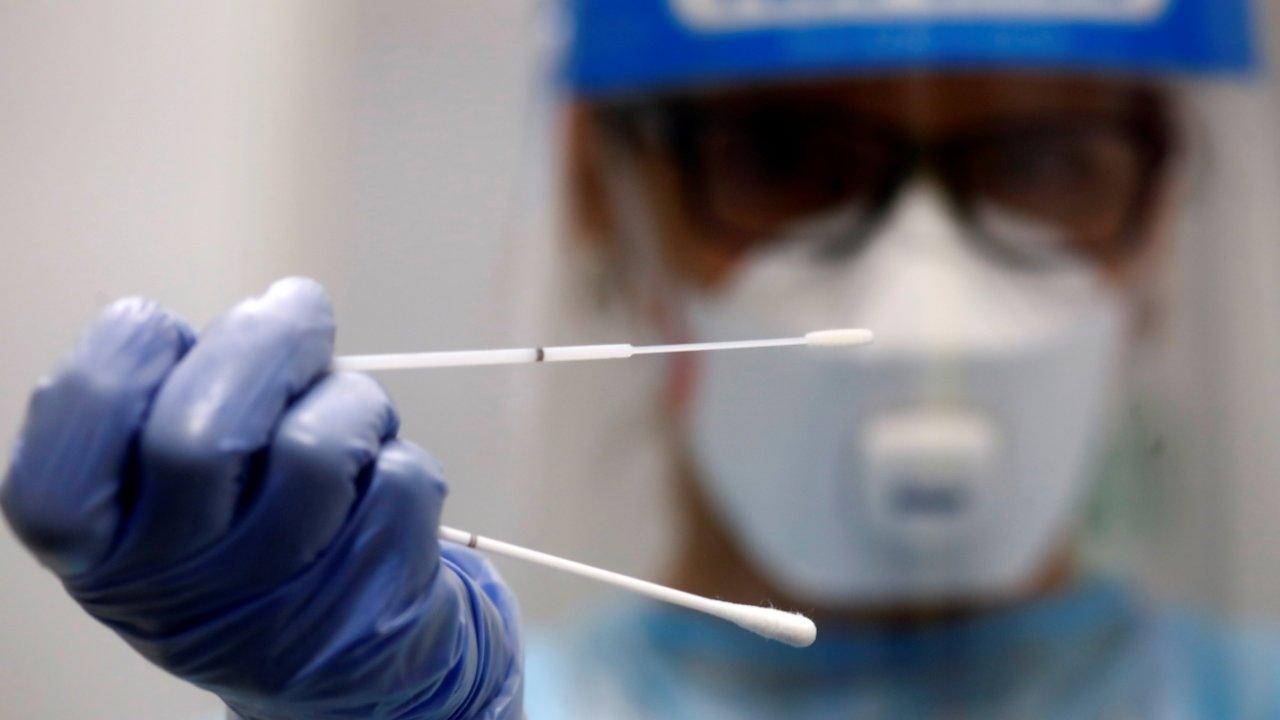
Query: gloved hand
[250, 523]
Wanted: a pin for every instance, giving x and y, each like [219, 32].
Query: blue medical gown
[1096, 651]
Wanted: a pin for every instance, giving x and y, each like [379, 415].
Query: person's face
[724, 173]
[964, 220]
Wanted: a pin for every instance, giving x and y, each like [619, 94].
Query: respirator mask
[949, 459]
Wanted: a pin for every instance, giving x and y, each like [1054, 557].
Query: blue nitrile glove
[251, 523]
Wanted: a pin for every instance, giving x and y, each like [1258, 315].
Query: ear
[588, 209]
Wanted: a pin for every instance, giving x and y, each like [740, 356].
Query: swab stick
[569, 353]
[791, 628]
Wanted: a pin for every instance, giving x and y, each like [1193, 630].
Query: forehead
[936, 104]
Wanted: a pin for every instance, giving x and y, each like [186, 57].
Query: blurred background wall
[194, 151]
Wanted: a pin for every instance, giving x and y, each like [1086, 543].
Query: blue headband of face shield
[636, 46]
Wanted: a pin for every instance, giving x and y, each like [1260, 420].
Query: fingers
[413, 626]
[378, 578]
[321, 447]
[62, 491]
[324, 443]
[218, 408]
[376, 621]
[399, 515]
[406, 495]
[477, 568]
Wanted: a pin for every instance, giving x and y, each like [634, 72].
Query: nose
[926, 287]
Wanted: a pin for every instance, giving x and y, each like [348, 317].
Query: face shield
[1041, 210]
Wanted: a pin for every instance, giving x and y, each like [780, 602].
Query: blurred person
[990, 187]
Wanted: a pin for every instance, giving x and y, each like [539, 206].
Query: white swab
[791, 628]
[567, 353]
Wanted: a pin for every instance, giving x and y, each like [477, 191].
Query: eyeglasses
[748, 171]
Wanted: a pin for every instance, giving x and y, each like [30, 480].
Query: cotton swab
[791, 628]
[568, 353]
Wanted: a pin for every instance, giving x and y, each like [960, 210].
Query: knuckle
[322, 431]
[135, 321]
[129, 348]
[134, 309]
[357, 385]
[313, 448]
[78, 394]
[184, 447]
[362, 382]
[77, 386]
[300, 440]
[256, 326]
[300, 288]
[407, 471]
[295, 307]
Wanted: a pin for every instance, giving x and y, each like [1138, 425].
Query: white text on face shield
[729, 15]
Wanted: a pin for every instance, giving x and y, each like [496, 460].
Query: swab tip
[797, 631]
[843, 337]
[791, 628]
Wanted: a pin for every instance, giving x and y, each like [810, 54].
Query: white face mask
[945, 461]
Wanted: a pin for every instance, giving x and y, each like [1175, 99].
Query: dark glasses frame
[679, 128]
